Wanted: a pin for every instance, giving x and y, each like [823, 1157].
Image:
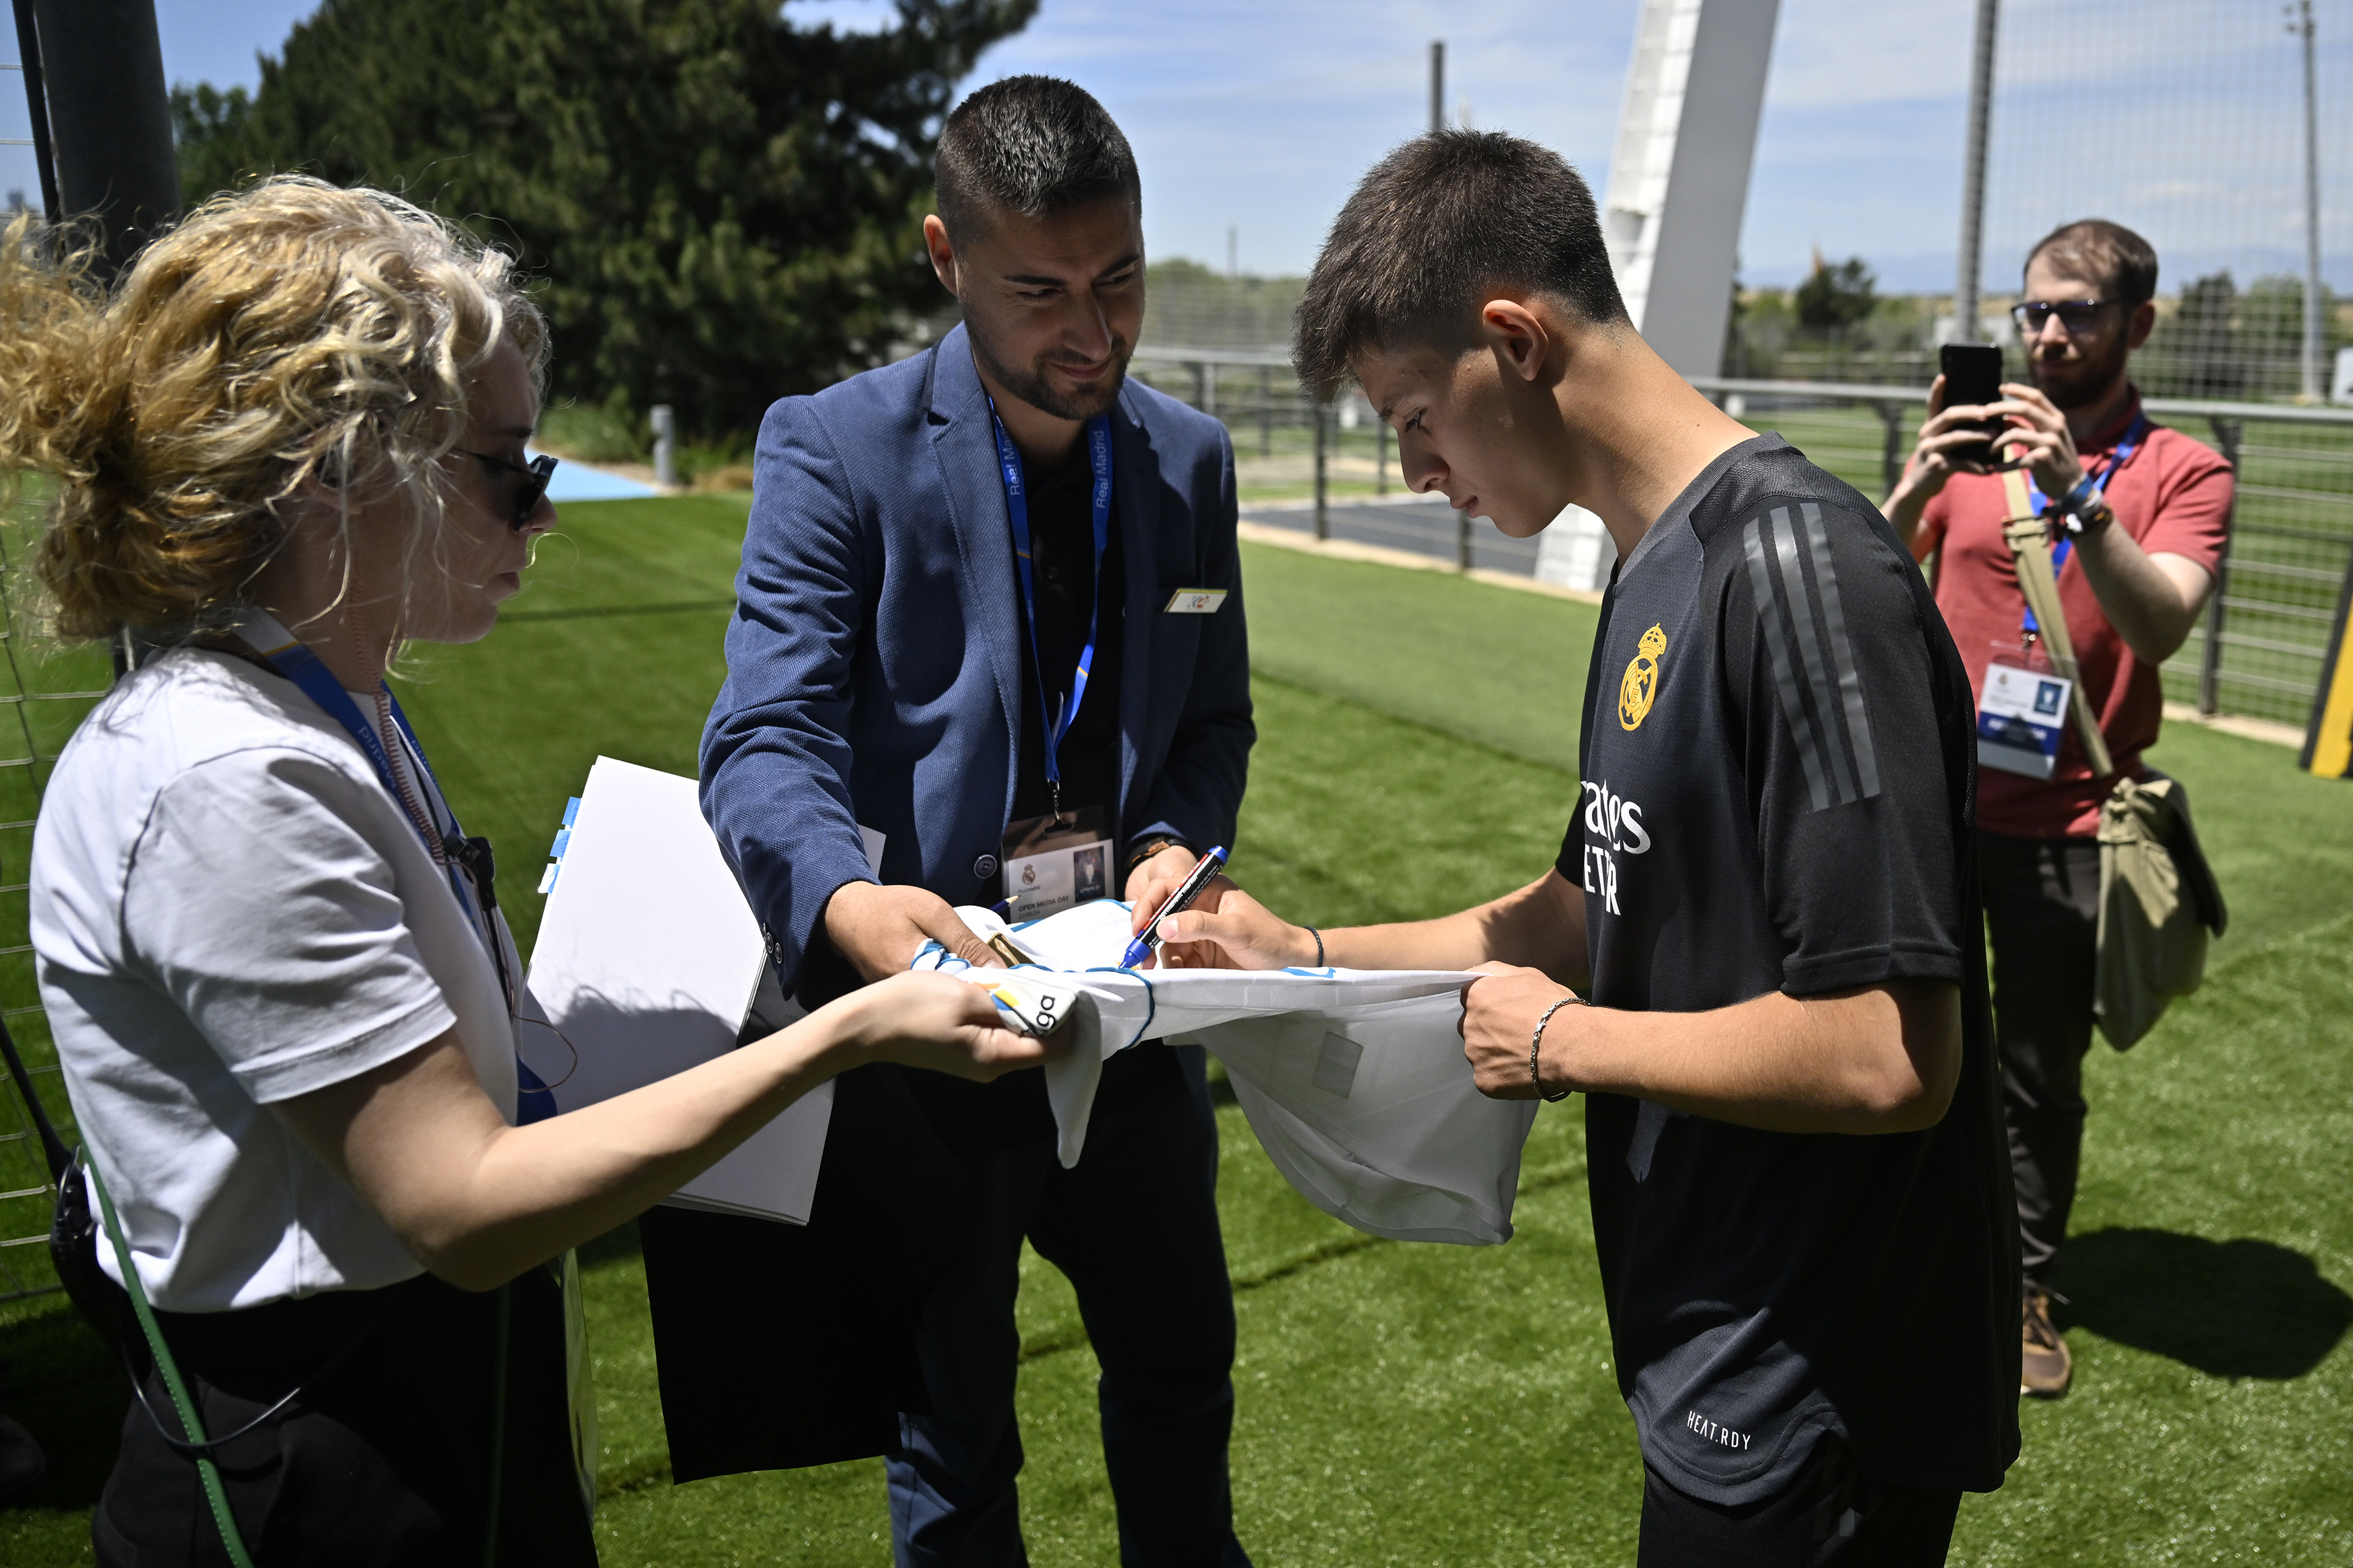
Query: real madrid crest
[1641, 686]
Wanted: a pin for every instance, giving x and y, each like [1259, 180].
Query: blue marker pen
[1182, 900]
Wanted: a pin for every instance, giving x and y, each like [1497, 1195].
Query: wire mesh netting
[2292, 534]
[2290, 541]
[42, 698]
[2184, 121]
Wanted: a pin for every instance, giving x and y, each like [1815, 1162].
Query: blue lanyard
[306, 669]
[2066, 545]
[299, 663]
[1057, 721]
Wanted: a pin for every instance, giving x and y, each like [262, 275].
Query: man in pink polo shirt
[2140, 514]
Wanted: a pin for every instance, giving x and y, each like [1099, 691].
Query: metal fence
[2258, 652]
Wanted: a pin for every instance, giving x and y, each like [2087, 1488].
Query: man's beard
[1030, 386]
[2083, 383]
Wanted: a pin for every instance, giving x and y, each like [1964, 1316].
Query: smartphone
[1973, 376]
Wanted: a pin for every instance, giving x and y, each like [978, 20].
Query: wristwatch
[1151, 846]
[2090, 518]
[2083, 509]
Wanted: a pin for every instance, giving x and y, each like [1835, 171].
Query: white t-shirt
[228, 911]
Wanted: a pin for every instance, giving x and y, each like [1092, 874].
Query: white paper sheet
[646, 964]
[1353, 1080]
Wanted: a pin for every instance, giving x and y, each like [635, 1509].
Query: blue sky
[1260, 116]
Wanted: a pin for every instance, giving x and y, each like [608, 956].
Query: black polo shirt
[1777, 766]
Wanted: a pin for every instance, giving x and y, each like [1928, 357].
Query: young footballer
[1757, 956]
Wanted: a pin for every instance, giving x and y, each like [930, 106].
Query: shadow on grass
[2232, 1308]
[68, 1390]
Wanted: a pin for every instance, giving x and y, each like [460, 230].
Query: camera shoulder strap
[2030, 550]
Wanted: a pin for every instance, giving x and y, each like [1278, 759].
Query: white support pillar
[1678, 188]
[1679, 180]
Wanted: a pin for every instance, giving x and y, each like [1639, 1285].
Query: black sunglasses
[535, 477]
[2075, 315]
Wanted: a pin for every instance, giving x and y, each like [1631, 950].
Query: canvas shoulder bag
[2158, 899]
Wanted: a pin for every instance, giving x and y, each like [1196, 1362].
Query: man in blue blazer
[990, 619]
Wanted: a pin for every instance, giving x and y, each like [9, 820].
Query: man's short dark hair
[1436, 227]
[1036, 145]
[2122, 262]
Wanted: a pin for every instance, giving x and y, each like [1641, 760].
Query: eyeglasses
[528, 495]
[2075, 315]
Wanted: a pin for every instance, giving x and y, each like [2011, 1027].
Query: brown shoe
[2044, 1366]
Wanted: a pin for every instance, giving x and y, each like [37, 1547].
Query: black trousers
[2043, 911]
[1135, 1226]
[383, 1459]
[1831, 1516]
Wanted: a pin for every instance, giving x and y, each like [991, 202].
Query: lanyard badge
[290, 658]
[1063, 858]
[1057, 718]
[2023, 713]
[2022, 717]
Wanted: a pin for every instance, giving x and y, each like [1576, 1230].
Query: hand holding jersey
[1831, 1070]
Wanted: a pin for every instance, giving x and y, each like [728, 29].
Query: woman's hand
[936, 1021]
[1242, 932]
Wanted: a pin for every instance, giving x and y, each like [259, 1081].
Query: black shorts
[383, 1459]
[1832, 1516]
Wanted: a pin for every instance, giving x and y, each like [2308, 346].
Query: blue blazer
[874, 662]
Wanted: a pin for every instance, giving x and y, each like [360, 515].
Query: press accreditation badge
[2021, 719]
[1056, 862]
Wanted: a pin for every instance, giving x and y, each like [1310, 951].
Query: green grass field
[1405, 1404]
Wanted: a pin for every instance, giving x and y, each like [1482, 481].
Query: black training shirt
[1779, 767]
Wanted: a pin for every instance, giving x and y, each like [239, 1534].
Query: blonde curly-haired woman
[290, 441]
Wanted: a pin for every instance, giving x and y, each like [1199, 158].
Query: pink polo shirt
[2174, 497]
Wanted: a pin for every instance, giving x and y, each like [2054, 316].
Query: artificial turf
[1423, 1404]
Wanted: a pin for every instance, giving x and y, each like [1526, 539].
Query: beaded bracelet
[1536, 1046]
[1319, 945]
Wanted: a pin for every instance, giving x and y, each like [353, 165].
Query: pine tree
[721, 207]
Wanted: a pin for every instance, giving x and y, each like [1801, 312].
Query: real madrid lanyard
[2066, 544]
[1056, 722]
[295, 660]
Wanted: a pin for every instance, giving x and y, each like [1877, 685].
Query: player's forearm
[2149, 608]
[1884, 1059]
[1540, 926]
